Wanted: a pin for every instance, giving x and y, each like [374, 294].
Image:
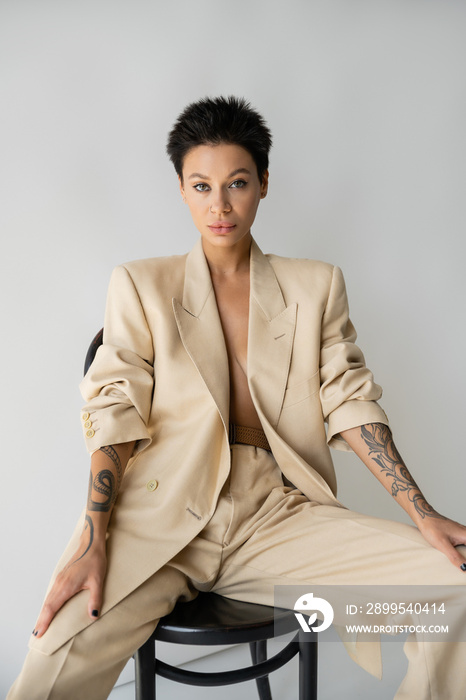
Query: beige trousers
[262, 534]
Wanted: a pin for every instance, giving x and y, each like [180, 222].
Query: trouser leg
[89, 664]
[294, 541]
[279, 558]
[436, 670]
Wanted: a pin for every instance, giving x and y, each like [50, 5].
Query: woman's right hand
[85, 571]
[87, 568]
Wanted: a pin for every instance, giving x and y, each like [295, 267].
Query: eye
[201, 187]
[238, 184]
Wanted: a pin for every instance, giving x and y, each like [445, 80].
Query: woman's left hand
[444, 534]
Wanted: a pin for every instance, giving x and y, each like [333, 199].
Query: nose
[220, 203]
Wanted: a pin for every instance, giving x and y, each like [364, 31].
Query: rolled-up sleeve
[348, 392]
[118, 387]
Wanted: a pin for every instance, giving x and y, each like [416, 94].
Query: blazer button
[152, 485]
[85, 416]
[88, 424]
[90, 433]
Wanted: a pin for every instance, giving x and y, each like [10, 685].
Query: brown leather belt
[238, 434]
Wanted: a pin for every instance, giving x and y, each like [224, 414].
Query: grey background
[367, 103]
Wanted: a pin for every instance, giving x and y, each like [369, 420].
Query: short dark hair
[211, 121]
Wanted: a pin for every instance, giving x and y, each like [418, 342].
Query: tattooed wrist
[378, 438]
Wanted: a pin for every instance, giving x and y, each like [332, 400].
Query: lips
[222, 227]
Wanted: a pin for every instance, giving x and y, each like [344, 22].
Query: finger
[457, 538]
[460, 558]
[95, 598]
[46, 616]
[455, 556]
[53, 603]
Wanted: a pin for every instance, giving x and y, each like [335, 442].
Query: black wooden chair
[211, 619]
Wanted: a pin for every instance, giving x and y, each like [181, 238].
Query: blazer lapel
[201, 330]
[270, 339]
[270, 334]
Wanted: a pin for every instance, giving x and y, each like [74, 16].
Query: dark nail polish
[35, 633]
[463, 566]
[95, 613]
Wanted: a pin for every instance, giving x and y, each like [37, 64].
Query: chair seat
[214, 619]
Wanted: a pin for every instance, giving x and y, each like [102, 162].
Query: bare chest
[233, 309]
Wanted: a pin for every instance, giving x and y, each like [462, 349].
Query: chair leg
[307, 666]
[144, 660]
[259, 653]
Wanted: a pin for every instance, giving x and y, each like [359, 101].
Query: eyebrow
[235, 172]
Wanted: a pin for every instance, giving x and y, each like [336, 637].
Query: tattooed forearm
[105, 483]
[378, 438]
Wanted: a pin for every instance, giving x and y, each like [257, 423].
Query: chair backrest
[96, 343]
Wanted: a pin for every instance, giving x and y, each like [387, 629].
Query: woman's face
[222, 189]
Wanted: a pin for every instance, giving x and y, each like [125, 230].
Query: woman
[210, 467]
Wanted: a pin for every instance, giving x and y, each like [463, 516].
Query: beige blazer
[161, 378]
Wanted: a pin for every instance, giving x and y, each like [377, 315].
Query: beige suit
[161, 378]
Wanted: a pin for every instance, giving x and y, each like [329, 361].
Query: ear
[182, 189]
[265, 184]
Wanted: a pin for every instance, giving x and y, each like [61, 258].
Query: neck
[223, 261]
